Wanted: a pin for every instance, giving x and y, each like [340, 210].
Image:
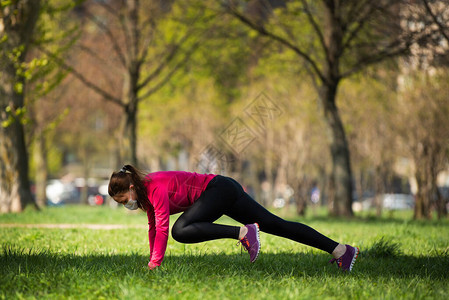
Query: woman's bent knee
[178, 233]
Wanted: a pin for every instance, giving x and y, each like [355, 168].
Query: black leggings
[225, 196]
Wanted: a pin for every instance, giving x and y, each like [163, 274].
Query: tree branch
[120, 18]
[435, 19]
[149, 38]
[360, 23]
[81, 77]
[283, 41]
[354, 8]
[315, 27]
[389, 52]
[170, 74]
[169, 57]
[133, 17]
[92, 53]
[111, 37]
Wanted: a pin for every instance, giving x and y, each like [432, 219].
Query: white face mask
[132, 204]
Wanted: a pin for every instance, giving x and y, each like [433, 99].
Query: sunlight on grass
[399, 258]
[383, 248]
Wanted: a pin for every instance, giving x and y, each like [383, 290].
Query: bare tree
[45, 114]
[423, 100]
[422, 124]
[369, 129]
[16, 27]
[140, 50]
[334, 39]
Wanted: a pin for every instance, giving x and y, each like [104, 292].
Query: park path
[71, 226]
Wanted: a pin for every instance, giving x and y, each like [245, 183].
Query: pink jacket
[169, 192]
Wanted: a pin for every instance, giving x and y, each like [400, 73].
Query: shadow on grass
[16, 261]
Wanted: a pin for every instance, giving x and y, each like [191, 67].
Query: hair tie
[124, 170]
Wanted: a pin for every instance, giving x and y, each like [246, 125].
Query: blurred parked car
[398, 201]
[389, 201]
[98, 194]
[97, 190]
[59, 192]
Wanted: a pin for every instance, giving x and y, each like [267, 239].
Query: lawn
[400, 259]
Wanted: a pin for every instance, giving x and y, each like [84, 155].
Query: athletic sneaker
[251, 241]
[347, 260]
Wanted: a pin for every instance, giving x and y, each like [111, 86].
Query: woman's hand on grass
[152, 266]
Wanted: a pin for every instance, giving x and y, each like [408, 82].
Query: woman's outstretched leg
[226, 196]
[246, 210]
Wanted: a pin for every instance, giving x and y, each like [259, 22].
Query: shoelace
[338, 260]
[245, 243]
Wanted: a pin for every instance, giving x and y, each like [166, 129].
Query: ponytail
[121, 180]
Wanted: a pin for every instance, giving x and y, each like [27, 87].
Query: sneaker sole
[258, 241]
[356, 254]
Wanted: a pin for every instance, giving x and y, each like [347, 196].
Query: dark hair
[121, 180]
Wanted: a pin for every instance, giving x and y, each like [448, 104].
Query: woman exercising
[202, 199]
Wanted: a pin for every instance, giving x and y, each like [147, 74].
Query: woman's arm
[161, 226]
[151, 230]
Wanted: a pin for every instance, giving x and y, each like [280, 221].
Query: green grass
[400, 259]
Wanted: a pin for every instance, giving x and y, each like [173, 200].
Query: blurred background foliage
[160, 84]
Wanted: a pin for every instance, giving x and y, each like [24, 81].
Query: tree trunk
[40, 157]
[18, 20]
[268, 166]
[358, 176]
[131, 131]
[330, 191]
[134, 71]
[440, 204]
[341, 167]
[436, 195]
[9, 183]
[84, 195]
[423, 195]
[15, 184]
[379, 184]
[301, 197]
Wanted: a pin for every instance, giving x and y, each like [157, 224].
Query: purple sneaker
[347, 260]
[251, 241]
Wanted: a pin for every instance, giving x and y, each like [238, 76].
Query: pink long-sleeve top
[169, 192]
